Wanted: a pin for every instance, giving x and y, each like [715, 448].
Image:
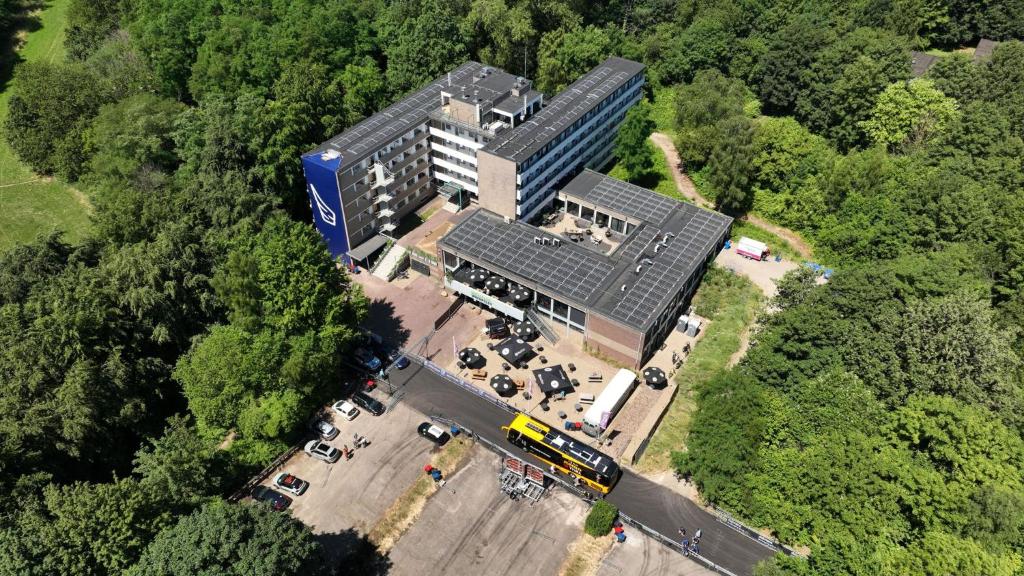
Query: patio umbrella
[477, 276]
[519, 294]
[495, 283]
[503, 385]
[471, 356]
[514, 350]
[655, 377]
[553, 380]
[523, 329]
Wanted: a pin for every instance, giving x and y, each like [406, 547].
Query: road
[652, 504]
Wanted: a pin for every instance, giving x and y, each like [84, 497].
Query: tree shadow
[25, 21]
[383, 321]
[352, 554]
[649, 179]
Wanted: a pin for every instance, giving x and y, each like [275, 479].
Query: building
[475, 134]
[618, 265]
[521, 169]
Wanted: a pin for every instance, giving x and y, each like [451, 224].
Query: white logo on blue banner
[326, 214]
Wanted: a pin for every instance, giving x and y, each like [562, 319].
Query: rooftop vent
[623, 289]
[536, 240]
[638, 269]
[556, 242]
[508, 219]
[656, 248]
[647, 261]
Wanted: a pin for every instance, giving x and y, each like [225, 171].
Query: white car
[325, 429]
[346, 409]
[291, 483]
[322, 451]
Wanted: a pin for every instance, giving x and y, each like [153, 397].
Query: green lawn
[731, 302]
[30, 204]
[663, 110]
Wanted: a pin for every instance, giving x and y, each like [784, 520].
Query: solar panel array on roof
[567, 269]
[564, 109]
[625, 198]
[660, 281]
[378, 130]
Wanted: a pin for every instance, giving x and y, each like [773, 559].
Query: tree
[700, 105]
[632, 147]
[907, 115]
[957, 76]
[132, 135]
[566, 54]
[89, 24]
[364, 90]
[787, 163]
[422, 41]
[791, 50]
[729, 168]
[50, 109]
[180, 466]
[232, 539]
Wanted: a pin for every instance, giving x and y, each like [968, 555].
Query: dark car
[398, 359]
[368, 403]
[433, 433]
[276, 500]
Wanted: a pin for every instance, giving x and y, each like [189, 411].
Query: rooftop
[564, 109]
[683, 233]
[387, 125]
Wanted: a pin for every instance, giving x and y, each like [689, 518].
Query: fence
[244, 490]
[727, 519]
[447, 314]
[459, 381]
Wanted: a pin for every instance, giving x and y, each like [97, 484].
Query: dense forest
[877, 419]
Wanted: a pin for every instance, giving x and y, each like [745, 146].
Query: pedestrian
[695, 549]
[696, 535]
[682, 531]
[686, 546]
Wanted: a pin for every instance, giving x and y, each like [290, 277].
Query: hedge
[599, 521]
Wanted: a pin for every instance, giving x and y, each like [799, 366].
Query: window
[543, 302]
[561, 309]
[450, 260]
[578, 316]
[617, 225]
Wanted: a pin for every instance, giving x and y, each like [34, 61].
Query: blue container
[728, 244]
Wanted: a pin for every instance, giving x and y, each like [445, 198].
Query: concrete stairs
[388, 261]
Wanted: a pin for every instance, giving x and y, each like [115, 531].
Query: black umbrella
[519, 294]
[477, 276]
[503, 385]
[523, 329]
[471, 356]
[655, 377]
[514, 350]
[553, 380]
[495, 283]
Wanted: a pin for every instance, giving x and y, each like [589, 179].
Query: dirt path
[688, 190]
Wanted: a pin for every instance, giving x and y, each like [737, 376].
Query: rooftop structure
[565, 109]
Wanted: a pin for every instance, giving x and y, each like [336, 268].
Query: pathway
[688, 190]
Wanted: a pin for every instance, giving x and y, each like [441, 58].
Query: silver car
[322, 451]
[325, 429]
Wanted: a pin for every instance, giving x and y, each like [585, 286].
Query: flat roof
[591, 280]
[568, 106]
[375, 132]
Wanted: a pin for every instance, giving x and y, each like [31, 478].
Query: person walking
[686, 546]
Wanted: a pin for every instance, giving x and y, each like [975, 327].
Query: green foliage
[90, 22]
[50, 111]
[699, 114]
[232, 539]
[132, 135]
[787, 162]
[632, 148]
[600, 518]
[729, 167]
[906, 115]
[566, 54]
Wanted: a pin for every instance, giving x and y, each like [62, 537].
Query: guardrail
[727, 519]
[262, 475]
[412, 356]
[677, 546]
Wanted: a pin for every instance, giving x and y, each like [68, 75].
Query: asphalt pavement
[645, 501]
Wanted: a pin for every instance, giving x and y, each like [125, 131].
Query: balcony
[382, 176]
[384, 197]
[386, 213]
[388, 227]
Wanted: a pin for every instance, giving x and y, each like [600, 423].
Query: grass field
[29, 204]
[731, 302]
[659, 179]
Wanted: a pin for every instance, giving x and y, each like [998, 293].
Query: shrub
[599, 521]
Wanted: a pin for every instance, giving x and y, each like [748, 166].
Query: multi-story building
[522, 169]
[475, 134]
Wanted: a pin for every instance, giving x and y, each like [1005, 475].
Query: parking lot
[353, 494]
[471, 527]
[641, 555]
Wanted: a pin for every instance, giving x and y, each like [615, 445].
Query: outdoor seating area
[582, 231]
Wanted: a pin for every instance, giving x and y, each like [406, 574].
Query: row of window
[409, 136]
[581, 122]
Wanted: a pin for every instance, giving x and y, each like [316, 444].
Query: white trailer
[608, 403]
[752, 249]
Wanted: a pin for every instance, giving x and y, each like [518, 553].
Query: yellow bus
[594, 469]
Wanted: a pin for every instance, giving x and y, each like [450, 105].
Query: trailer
[608, 403]
[752, 249]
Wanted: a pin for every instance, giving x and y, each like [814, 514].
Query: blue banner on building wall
[325, 200]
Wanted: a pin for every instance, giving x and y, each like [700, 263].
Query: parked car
[400, 361]
[291, 483]
[322, 451]
[276, 500]
[433, 433]
[346, 409]
[368, 403]
[325, 429]
[367, 360]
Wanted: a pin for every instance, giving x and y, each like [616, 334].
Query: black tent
[503, 385]
[552, 380]
[514, 350]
